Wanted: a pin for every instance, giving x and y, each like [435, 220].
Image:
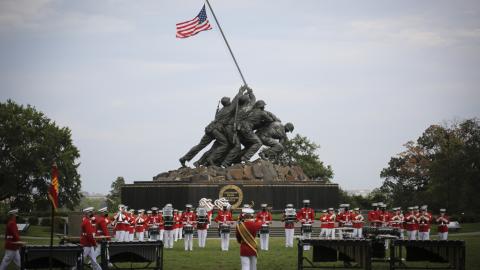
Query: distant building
[359, 192]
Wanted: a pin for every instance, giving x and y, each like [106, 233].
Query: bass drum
[188, 229]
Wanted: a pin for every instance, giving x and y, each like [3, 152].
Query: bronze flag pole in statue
[236, 64]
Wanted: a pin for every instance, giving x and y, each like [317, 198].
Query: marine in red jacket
[245, 234]
[264, 217]
[344, 218]
[224, 219]
[306, 214]
[384, 215]
[442, 222]
[87, 238]
[424, 220]
[12, 241]
[373, 217]
[101, 221]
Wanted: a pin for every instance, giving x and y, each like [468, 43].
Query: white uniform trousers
[289, 237]
[161, 234]
[140, 236]
[168, 238]
[225, 241]
[175, 234]
[180, 231]
[131, 236]
[264, 241]
[330, 233]
[323, 233]
[306, 236]
[119, 236]
[90, 252]
[249, 263]
[402, 234]
[202, 237]
[357, 233]
[423, 235]
[126, 236]
[443, 236]
[10, 255]
[188, 240]
[412, 235]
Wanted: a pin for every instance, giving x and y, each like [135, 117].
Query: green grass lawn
[278, 257]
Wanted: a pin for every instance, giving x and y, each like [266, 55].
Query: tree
[300, 150]
[113, 198]
[29, 144]
[441, 169]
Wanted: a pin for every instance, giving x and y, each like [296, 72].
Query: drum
[265, 229]
[306, 228]
[224, 228]
[188, 229]
[153, 230]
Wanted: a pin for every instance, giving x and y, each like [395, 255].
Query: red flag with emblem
[53, 190]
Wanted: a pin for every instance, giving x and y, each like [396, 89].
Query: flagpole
[51, 237]
[226, 42]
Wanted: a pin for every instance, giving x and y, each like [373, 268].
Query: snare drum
[188, 229]
[224, 228]
[265, 229]
[306, 228]
[152, 230]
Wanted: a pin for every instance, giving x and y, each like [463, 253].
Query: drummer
[189, 219]
[357, 223]
[265, 218]
[224, 219]
[306, 215]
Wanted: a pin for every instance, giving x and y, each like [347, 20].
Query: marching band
[170, 225]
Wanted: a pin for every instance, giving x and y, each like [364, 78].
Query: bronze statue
[235, 125]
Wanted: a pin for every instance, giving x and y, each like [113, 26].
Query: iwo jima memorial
[240, 129]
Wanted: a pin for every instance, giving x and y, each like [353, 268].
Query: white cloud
[22, 13]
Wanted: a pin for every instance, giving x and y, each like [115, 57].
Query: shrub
[33, 220]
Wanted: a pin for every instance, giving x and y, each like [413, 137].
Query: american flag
[193, 26]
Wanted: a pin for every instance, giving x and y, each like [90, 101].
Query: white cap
[306, 201]
[343, 205]
[411, 208]
[263, 205]
[443, 210]
[121, 206]
[102, 210]
[141, 210]
[88, 209]
[330, 209]
[324, 210]
[356, 209]
[289, 205]
[424, 207]
[374, 204]
[154, 208]
[131, 210]
[188, 206]
[149, 211]
[13, 211]
[247, 211]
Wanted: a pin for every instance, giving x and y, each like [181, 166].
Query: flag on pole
[53, 190]
[194, 26]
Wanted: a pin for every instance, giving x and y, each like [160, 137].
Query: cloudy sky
[360, 78]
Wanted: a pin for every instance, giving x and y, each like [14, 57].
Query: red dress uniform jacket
[323, 221]
[330, 219]
[140, 223]
[120, 220]
[264, 217]
[12, 235]
[161, 222]
[223, 216]
[101, 223]
[357, 220]
[344, 218]
[384, 217]
[373, 217]
[87, 233]
[443, 224]
[410, 222]
[424, 222]
[252, 226]
[189, 218]
[306, 215]
[177, 220]
[396, 221]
